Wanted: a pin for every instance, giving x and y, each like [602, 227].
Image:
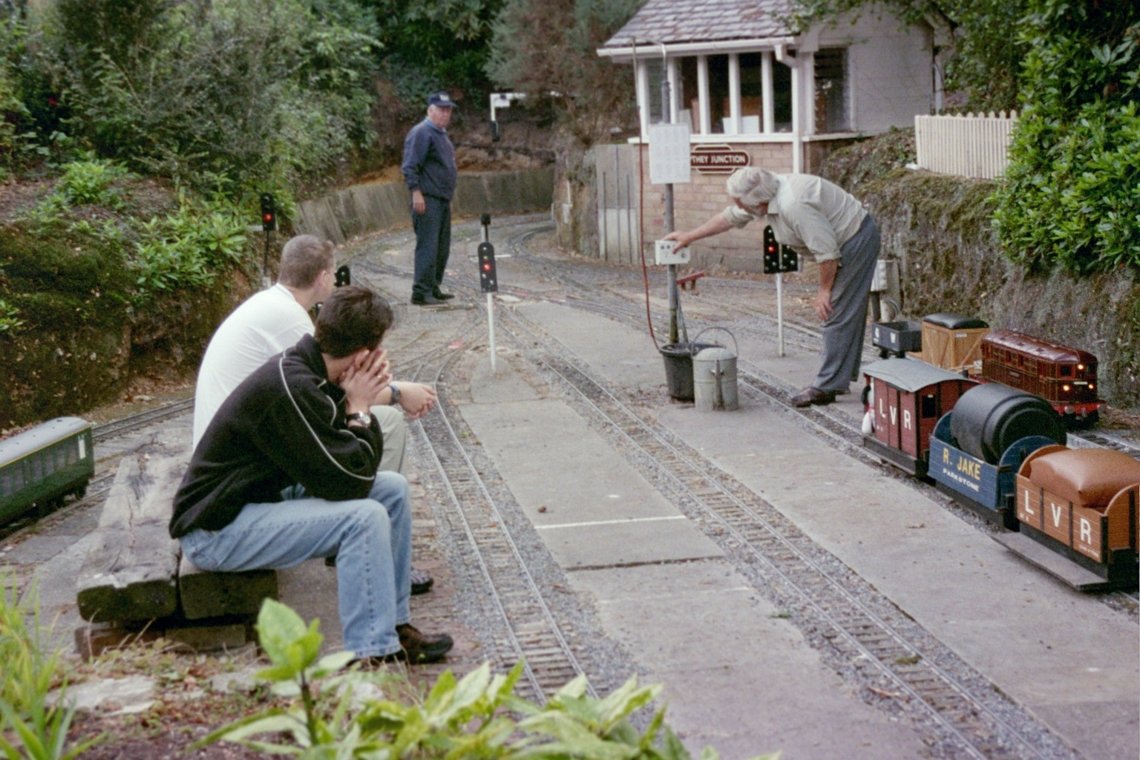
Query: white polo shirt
[266, 324]
[808, 212]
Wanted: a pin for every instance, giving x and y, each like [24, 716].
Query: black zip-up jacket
[282, 426]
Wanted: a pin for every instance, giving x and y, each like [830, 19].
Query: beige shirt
[808, 212]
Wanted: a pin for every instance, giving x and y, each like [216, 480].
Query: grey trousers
[844, 331]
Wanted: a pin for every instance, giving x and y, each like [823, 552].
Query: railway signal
[488, 280]
[268, 212]
[268, 225]
[778, 257]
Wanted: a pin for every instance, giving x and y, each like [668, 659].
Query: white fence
[968, 146]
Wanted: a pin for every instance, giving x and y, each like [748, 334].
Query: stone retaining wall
[361, 209]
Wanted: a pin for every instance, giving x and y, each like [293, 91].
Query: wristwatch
[364, 417]
[395, 394]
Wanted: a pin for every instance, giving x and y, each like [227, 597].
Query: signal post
[488, 280]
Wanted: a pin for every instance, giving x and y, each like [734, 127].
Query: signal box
[777, 257]
[488, 280]
[268, 212]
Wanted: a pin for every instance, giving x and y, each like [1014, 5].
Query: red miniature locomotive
[1063, 376]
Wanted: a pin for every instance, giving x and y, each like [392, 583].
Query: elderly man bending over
[808, 212]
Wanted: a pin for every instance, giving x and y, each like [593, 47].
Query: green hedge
[1071, 196]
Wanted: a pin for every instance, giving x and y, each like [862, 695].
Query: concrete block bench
[134, 576]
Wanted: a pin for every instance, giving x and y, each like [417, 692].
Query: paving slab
[737, 675]
[592, 509]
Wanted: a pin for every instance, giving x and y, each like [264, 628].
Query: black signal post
[268, 225]
[488, 279]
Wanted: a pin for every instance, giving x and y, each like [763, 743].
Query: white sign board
[668, 153]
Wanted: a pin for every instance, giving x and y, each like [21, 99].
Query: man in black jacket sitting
[286, 471]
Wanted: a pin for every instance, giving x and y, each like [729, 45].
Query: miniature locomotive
[41, 466]
[1063, 376]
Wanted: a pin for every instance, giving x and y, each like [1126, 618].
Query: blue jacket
[429, 161]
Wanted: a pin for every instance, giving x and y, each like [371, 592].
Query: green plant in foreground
[349, 713]
[33, 720]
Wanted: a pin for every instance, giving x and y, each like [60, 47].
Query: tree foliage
[227, 95]
[546, 48]
[436, 45]
[1072, 192]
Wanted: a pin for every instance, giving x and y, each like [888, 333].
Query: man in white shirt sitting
[272, 320]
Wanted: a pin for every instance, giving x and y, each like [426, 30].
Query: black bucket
[679, 367]
[990, 417]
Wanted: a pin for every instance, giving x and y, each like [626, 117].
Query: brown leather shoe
[379, 661]
[419, 647]
[810, 396]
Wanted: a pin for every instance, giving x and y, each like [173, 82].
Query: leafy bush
[187, 249]
[90, 181]
[259, 94]
[1071, 195]
[348, 714]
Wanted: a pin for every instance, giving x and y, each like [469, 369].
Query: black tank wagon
[42, 465]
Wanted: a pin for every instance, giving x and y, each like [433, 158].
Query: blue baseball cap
[441, 99]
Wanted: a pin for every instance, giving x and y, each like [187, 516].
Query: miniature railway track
[475, 498]
[895, 656]
[133, 422]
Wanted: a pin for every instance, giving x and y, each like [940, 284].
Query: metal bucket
[679, 367]
[714, 377]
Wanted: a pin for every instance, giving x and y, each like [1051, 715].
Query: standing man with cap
[809, 212]
[430, 173]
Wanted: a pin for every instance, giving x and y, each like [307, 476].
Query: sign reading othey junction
[717, 159]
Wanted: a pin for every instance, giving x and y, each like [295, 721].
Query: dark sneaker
[811, 396]
[419, 647]
[421, 582]
[426, 300]
[442, 296]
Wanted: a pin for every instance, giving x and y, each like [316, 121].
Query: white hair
[752, 186]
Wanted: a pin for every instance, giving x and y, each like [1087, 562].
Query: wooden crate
[953, 342]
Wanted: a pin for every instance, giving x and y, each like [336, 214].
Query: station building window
[751, 92]
[690, 92]
[781, 98]
[831, 111]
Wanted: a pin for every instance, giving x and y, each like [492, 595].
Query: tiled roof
[677, 21]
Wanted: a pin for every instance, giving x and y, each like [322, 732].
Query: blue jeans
[433, 245]
[371, 538]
